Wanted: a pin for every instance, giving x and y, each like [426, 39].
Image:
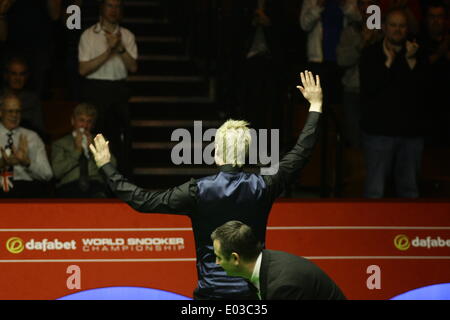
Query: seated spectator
[24, 165]
[392, 88]
[354, 38]
[435, 41]
[75, 170]
[16, 77]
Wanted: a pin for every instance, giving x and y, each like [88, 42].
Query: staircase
[169, 91]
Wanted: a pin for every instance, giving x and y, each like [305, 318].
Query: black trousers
[113, 120]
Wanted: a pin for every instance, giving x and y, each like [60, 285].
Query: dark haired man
[276, 275]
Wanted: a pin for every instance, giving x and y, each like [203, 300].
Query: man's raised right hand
[311, 90]
[100, 151]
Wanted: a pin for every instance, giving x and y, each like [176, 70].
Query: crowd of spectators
[98, 60]
[391, 84]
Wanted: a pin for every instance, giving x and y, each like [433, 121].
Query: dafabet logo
[15, 245]
[403, 243]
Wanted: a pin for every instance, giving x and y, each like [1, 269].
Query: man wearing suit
[231, 194]
[74, 168]
[275, 275]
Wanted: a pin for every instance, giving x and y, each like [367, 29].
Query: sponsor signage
[403, 242]
[111, 245]
[71, 244]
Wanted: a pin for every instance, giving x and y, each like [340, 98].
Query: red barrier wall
[343, 238]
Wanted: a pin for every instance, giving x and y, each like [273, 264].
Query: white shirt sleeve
[129, 43]
[39, 168]
[84, 51]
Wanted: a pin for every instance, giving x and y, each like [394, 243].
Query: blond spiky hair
[232, 143]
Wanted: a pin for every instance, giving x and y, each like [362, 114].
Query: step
[154, 157]
[151, 27]
[164, 133]
[165, 108]
[142, 100]
[157, 46]
[141, 9]
[163, 64]
[143, 26]
[168, 86]
[158, 157]
[188, 124]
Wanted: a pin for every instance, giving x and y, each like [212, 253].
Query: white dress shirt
[93, 43]
[39, 168]
[255, 275]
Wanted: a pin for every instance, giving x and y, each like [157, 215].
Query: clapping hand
[19, 156]
[411, 49]
[113, 40]
[100, 151]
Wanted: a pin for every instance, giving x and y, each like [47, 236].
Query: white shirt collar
[98, 26]
[4, 130]
[255, 275]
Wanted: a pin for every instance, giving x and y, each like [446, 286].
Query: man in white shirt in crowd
[24, 166]
[107, 52]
